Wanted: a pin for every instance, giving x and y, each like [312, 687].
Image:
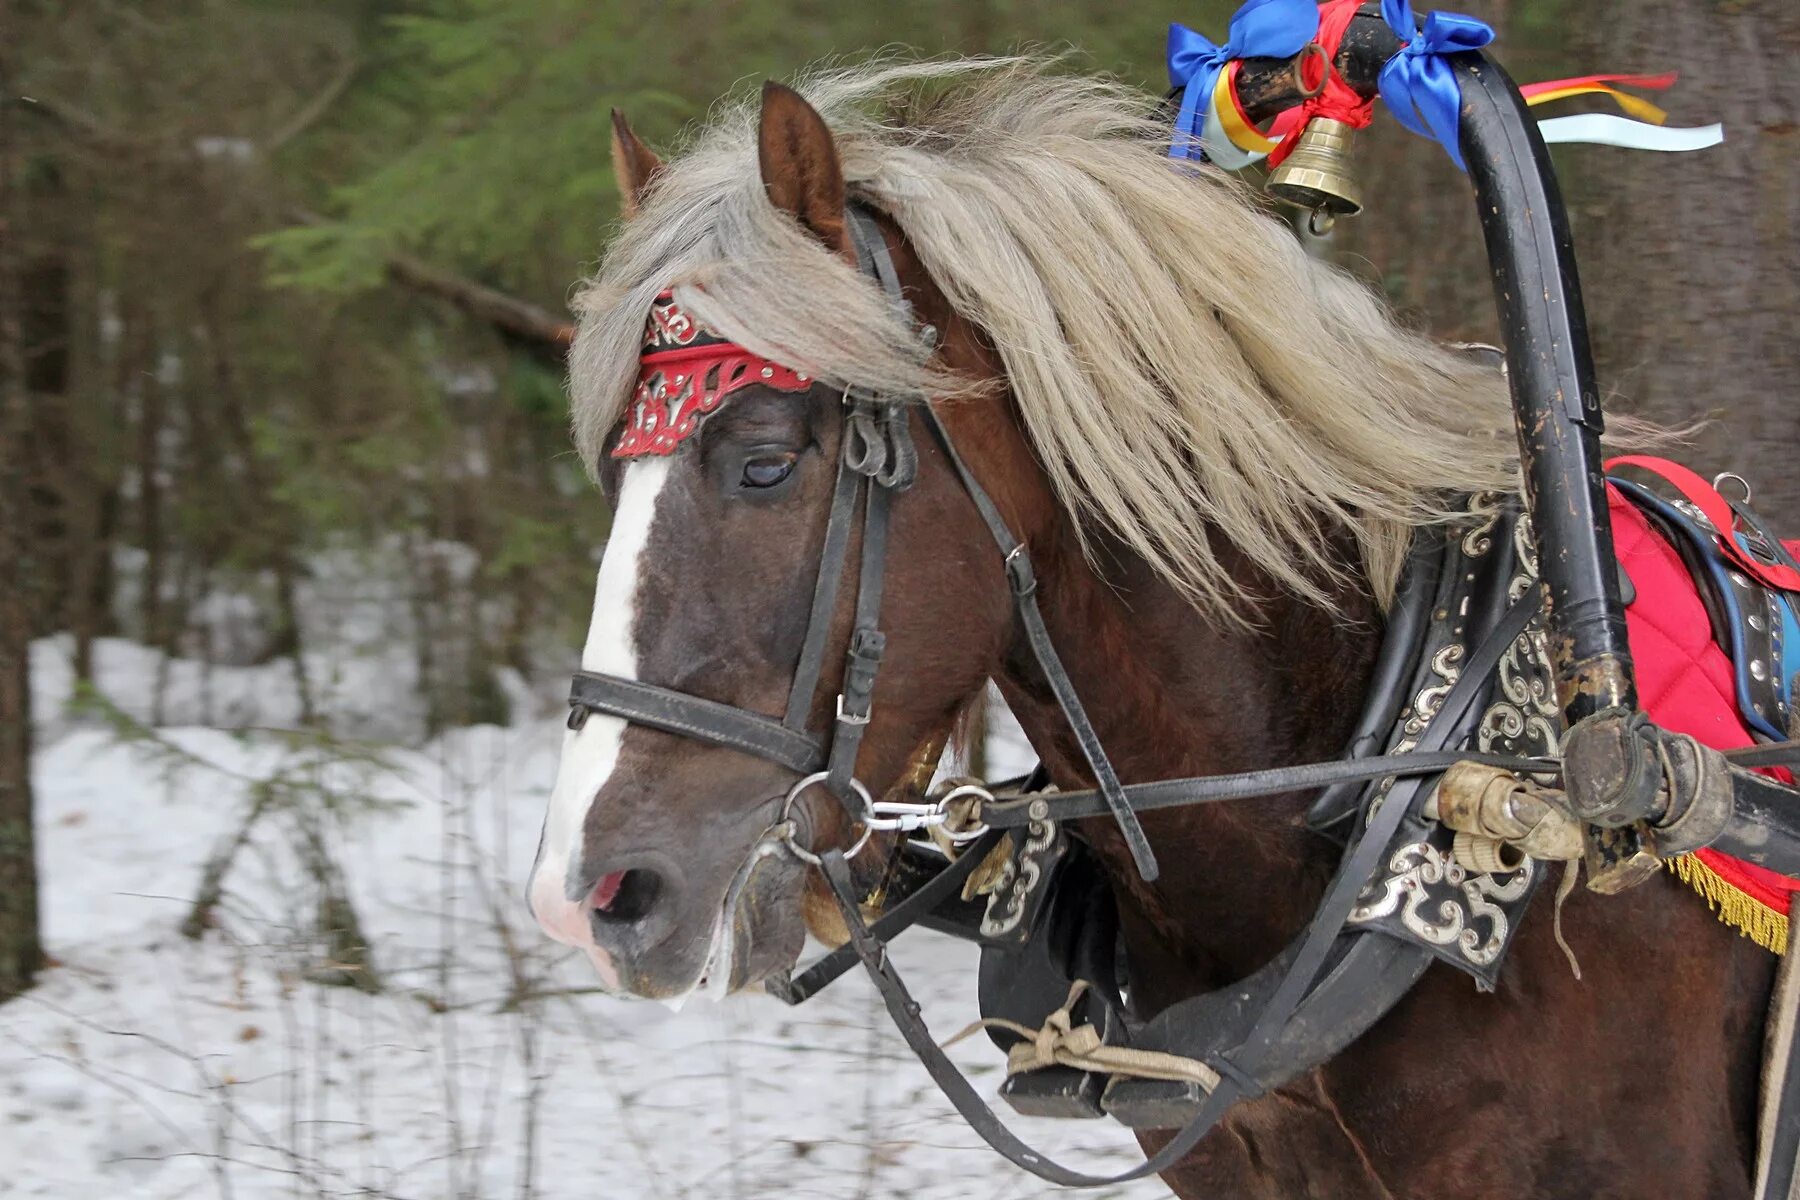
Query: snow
[150, 1065]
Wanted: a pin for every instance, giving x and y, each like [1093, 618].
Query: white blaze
[590, 753]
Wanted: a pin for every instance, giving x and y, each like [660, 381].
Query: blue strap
[1711, 561]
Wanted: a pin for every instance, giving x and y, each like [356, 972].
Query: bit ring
[788, 828]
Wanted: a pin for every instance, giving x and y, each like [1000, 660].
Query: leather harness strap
[824, 602]
[695, 716]
[892, 922]
[1244, 785]
[1023, 581]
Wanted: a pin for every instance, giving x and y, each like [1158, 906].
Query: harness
[1468, 611]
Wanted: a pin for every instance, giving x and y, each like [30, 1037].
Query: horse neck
[1173, 693]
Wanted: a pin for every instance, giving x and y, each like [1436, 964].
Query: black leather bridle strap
[872, 254]
[1023, 581]
[692, 716]
[1769, 754]
[892, 922]
[867, 644]
[904, 1011]
[824, 602]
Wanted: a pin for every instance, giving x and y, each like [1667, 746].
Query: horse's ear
[634, 165]
[800, 168]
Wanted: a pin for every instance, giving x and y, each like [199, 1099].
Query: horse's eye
[768, 471]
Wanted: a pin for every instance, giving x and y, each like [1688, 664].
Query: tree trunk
[1691, 262]
[20, 951]
[267, 523]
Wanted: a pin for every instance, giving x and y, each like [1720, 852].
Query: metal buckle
[849, 718]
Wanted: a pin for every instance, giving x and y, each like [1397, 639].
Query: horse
[1218, 451]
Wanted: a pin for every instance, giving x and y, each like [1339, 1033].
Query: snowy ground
[151, 1065]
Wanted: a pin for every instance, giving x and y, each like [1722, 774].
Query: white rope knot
[1059, 1042]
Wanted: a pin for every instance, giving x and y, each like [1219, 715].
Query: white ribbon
[1602, 129]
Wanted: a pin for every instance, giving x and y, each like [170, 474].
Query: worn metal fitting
[1487, 856]
[961, 804]
[1492, 804]
[1699, 800]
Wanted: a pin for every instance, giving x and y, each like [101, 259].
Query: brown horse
[1217, 452]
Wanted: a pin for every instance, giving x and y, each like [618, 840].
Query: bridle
[1308, 982]
[878, 461]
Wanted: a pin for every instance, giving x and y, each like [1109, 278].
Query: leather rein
[877, 462]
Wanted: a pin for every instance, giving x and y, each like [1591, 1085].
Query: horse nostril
[626, 896]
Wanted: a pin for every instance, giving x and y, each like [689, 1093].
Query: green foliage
[498, 159]
[330, 258]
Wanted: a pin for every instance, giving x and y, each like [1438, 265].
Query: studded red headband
[685, 372]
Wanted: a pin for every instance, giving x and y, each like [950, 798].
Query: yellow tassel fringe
[1752, 918]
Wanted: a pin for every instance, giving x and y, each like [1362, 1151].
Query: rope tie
[1062, 1043]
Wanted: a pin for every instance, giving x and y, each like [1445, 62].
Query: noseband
[878, 461]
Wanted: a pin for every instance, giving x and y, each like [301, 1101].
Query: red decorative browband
[686, 371]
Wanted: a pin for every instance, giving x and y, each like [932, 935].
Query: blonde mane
[1188, 376]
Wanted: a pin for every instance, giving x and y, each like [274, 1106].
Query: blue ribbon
[1417, 84]
[1260, 29]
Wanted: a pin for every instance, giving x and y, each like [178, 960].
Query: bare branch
[518, 317]
[310, 112]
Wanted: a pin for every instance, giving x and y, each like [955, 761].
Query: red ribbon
[1654, 83]
[1338, 101]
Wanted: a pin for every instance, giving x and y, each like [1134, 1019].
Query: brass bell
[1316, 176]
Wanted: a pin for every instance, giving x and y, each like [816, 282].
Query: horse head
[657, 857]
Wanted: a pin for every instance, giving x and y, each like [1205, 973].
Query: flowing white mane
[1187, 374]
